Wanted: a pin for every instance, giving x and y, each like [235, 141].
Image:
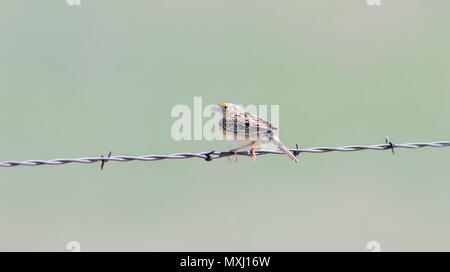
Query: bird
[248, 130]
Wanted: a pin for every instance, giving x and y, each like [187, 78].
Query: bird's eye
[225, 107]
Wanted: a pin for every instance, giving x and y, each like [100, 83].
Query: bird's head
[227, 108]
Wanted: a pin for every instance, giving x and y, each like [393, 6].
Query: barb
[105, 160]
[211, 155]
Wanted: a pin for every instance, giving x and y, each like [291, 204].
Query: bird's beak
[215, 108]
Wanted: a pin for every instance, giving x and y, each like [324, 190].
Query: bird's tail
[276, 141]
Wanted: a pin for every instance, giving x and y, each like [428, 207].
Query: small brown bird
[248, 129]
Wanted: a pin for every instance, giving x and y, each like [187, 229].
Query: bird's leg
[239, 148]
[252, 150]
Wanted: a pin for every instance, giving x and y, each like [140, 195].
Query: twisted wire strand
[211, 155]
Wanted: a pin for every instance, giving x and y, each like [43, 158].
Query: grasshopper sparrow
[248, 129]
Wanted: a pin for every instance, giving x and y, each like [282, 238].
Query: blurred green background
[103, 76]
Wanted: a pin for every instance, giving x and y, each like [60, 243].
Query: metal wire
[211, 155]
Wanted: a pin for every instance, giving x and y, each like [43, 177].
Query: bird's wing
[244, 122]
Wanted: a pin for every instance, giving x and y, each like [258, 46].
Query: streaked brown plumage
[248, 129]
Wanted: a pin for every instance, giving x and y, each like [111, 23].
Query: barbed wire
[211, 155]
